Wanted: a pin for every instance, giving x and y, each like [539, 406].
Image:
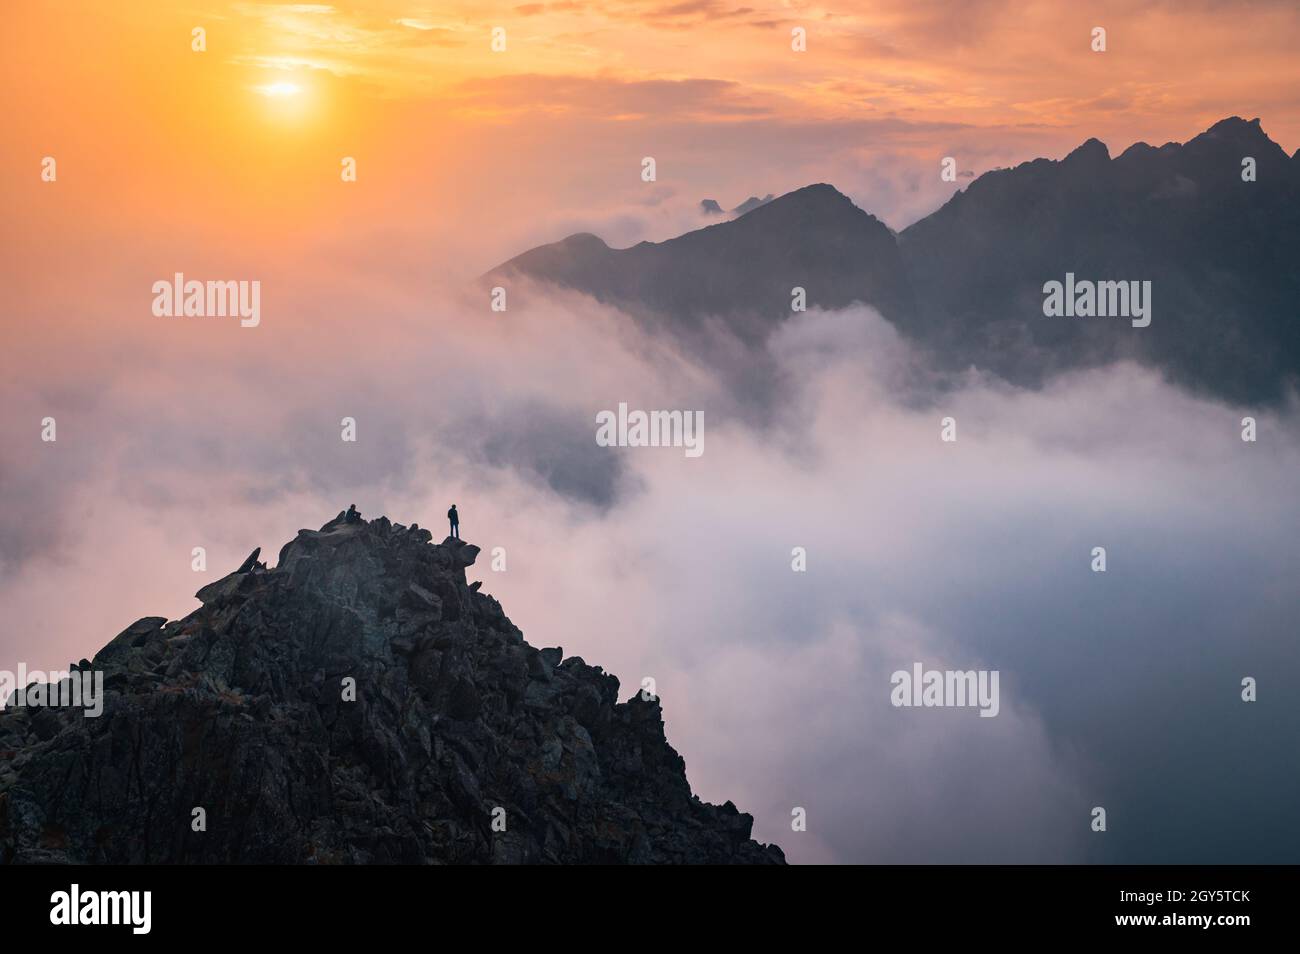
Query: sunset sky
[467, 155]
[225, 164]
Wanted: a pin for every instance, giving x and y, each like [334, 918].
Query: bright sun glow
[279, 89]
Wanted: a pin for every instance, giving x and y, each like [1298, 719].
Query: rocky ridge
[456, 728]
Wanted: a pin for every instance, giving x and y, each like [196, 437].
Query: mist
[1119, 689]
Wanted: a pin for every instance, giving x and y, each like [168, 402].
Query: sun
[287, 101]
[280, 89]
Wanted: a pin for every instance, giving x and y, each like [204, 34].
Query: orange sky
[466, 155]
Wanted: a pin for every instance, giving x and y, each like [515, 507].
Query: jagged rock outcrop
[242, 709]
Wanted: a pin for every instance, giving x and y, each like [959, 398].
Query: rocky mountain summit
[359, 703]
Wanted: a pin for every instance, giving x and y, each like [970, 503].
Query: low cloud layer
[1119, 690]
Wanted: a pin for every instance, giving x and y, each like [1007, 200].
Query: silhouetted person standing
[454, 517]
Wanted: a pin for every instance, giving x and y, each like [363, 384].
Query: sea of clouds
[1118, 689]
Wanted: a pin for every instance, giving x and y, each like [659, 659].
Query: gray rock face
[456, 729]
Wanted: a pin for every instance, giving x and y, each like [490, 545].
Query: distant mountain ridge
[711, 206]
[966, 282]
[1223, 256]
[738, 270]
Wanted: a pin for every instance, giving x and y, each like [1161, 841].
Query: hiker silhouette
[353, 515]
[454, 517]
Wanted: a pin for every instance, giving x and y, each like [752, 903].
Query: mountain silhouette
[720, 291]
[459, 742]
[711, 206]
[740, 271]
[966, 282]
[1222, 254]
[752, 203]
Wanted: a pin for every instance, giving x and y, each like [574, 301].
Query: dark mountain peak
[966, 281]
[583, 241]
[820, 197]
[1217, 248]
[574, 261]
[1237, 129]
[1139, 150]
[752, 203]
[742, 271]
[1092, 152]
[711, 206]
[1234, 133]
[1233, 139]
[358, 702]
[818, 206]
